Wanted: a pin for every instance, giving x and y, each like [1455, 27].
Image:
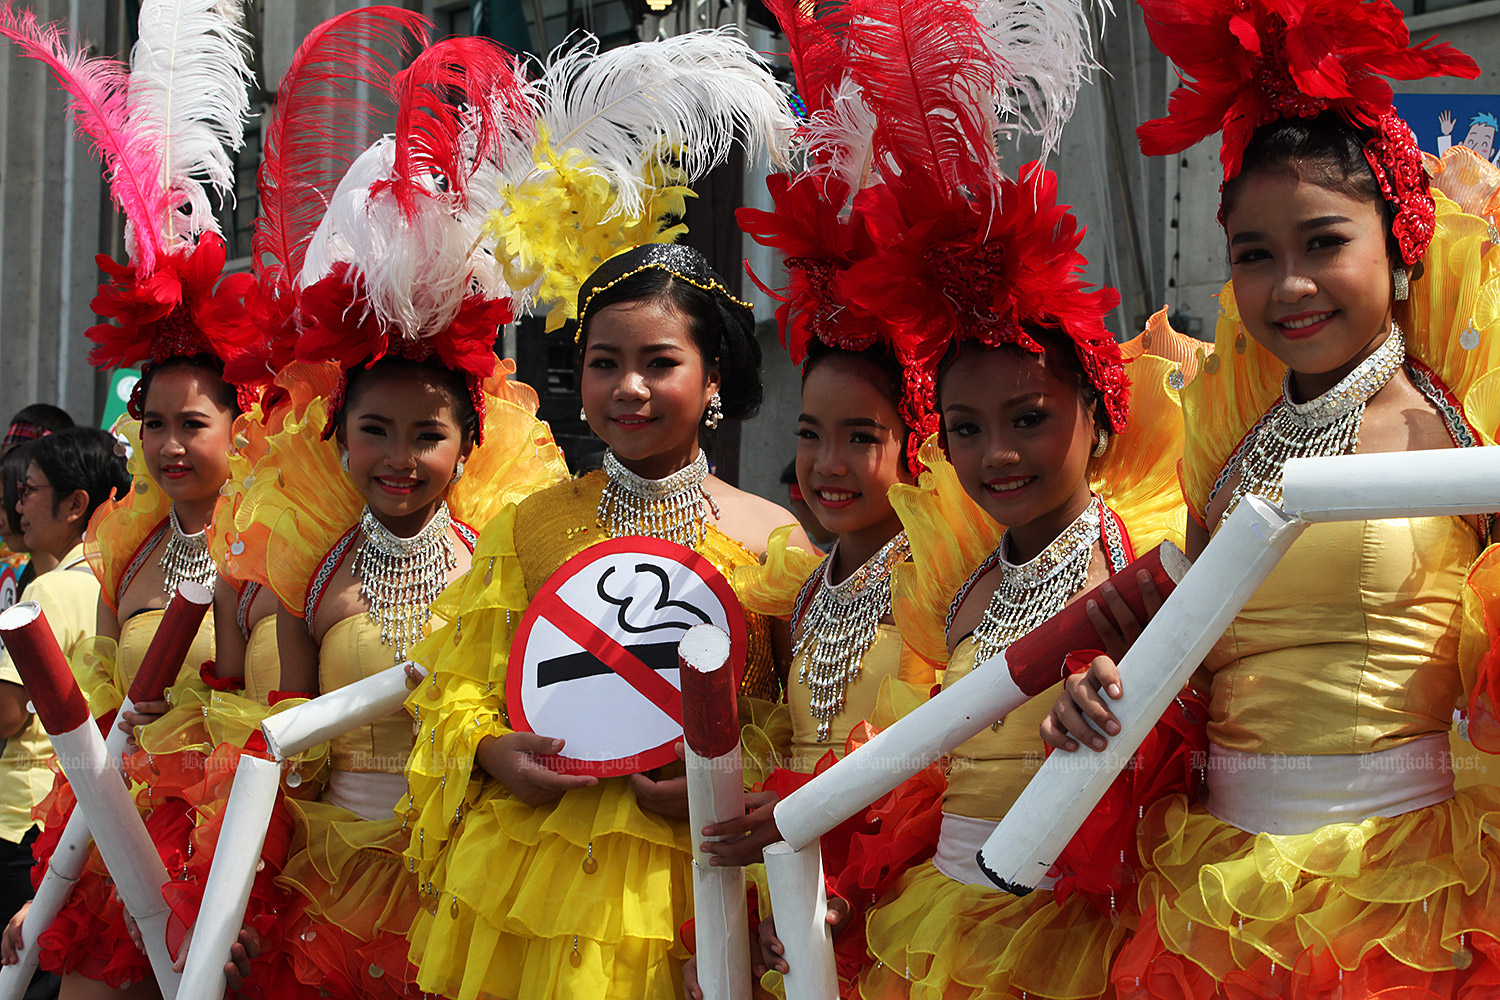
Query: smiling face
[850, 441]
[185, 436]
[645, 386]
[1019, 437]
[1311, 275]
[404, 439]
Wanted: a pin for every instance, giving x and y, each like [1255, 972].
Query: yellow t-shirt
[69, 596]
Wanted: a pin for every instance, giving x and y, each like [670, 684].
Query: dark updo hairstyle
[80, 458]
[454, 383]
[221, 391]
[1324, 150]
[678, 278]
[13, 466]
[891, 380]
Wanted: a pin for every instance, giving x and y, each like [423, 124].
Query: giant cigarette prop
[795, 878]
[716, 792]
[993, 690]
[1393, 484]
[337, 712]
[1066, 788]
[123, 842]
[163, 660]
[227, 892]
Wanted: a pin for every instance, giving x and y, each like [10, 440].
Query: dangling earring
[458, 471]
[583, 414]
[344, 459]
[1103, 445]
[714, 413]
[1402, 283]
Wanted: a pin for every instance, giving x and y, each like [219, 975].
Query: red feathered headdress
[394, 268]
[163, 126]
[1247, 63]
[902, 231]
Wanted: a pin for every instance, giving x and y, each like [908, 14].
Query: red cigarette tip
[173, 638]
[44, 669]
[710, 716]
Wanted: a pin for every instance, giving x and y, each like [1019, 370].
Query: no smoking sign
[594, 660]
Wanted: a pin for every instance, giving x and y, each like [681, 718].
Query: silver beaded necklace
[401, 577]
[675, 508]
[1033, 591]
[838, 624]
[1325, 425]
[186, 557]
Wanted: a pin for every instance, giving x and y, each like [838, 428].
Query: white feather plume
[415, 269]
[189, 84]
[691, 93]
[1048, 48]
[837, 139]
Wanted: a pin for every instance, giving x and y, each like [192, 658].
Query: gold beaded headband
[680, 261]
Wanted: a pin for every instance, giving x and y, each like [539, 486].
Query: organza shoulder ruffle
[1470, 180]
[951, 535]
[1451, 322]
[291, 507]
[121, 525]
[771, 587]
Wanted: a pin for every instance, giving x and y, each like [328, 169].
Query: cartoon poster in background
[1443, 120]
[10, 590]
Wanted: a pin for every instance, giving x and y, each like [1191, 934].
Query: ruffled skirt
[1406, 903]
[580, 898]
[935, 938]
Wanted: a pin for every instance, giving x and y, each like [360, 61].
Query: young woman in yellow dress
[546, 884]
[1332, 855]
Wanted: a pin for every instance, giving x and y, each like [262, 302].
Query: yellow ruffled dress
[581, 897]
[1345, 664]
[943, 932]
[353, 899]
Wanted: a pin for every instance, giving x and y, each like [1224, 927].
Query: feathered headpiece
[901, 230]
[162, 126]
[324, 118]
[616, 139]
[394, 267]
[1247, 63]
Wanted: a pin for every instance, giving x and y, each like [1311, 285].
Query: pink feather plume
[98, 91]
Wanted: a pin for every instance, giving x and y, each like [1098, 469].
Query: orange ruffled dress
[944, 931]
[353, 899]
[89, 936]
[581, 897]
[1332, 857]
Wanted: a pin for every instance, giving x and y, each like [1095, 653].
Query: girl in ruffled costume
[1358, 317]
[356, 516]
[162, 126]
[538, 883]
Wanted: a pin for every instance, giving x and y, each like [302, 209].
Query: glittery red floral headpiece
[902, 231]
[1248, 63]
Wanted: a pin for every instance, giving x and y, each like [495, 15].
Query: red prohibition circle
[547, 598]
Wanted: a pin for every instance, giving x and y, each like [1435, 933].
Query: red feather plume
[1245, 64]
[321, 125]
[813, 43]
[450, 102]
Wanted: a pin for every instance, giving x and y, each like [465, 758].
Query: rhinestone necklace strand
[1325, 425]
[401, 577]
[186, 557]
[675, 508]
[839, 625]
[1034, 591]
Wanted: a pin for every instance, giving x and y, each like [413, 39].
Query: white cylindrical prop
[337, 712]
[1393, 484]
[163, 660]
[991, 691]
[801, 911]
[1066, 788]
[236, 857]
[716, 792]
[105, 802]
